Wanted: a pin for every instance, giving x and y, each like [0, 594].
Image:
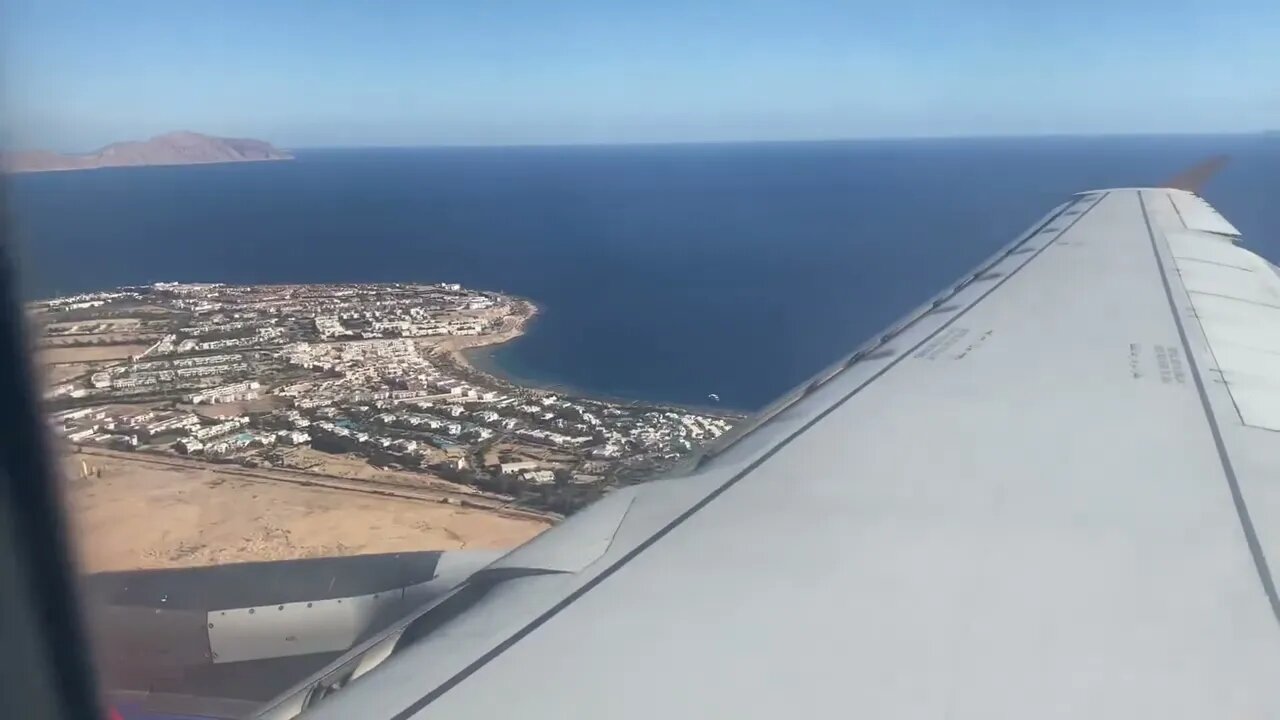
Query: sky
[313, 73]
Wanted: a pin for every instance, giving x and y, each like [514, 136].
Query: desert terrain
[132, 513]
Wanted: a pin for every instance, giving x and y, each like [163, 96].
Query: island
[175, 148]
[174, 395]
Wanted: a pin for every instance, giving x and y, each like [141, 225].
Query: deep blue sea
[664, 272]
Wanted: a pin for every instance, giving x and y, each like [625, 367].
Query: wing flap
[1227, 282]
[1206, 248]
[1235, 296]
[1227, 321]
[1196, 214]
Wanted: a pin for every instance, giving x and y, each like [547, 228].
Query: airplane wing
[1051, 491]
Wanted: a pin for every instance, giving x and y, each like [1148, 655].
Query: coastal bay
[661, 273]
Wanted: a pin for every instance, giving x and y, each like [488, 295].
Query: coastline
[35, 171]
[458, 348]
[474, 355]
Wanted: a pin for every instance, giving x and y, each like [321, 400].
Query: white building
[511, 468]
[292, 437]
[539, 477]
[226, 393]
[213, 431]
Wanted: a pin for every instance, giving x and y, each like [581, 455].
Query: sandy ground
[356, 467]
[111, 338]
[516, 452]
[87, 353]
[141, 515]
[54, 374]
[113, 324]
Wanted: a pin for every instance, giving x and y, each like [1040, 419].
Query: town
[295, 376]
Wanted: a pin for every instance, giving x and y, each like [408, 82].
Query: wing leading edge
[1038, 494]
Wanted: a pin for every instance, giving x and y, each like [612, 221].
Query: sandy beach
[462, 351]
[456, 348]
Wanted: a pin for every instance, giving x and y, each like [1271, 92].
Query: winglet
[1195, 177]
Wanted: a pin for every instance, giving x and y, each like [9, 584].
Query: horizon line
[660, 143]
[778, 141]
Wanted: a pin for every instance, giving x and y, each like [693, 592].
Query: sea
[664, 273]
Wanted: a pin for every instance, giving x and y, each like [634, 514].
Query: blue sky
[381, 72]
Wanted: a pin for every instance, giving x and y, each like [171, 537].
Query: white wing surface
[1051, 492]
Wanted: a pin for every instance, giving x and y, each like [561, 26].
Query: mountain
[175, 148]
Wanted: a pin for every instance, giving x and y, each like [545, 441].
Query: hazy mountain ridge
[175, 148]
